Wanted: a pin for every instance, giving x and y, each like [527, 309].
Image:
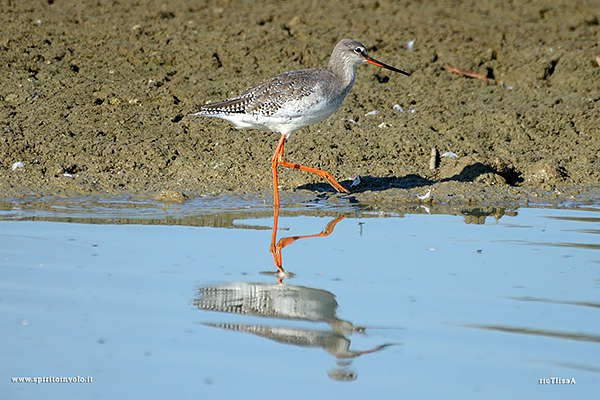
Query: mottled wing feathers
[234, 105]
[271, 95]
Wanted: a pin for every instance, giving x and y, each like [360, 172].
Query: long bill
[382, 65]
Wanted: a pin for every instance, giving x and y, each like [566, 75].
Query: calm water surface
[193, 301]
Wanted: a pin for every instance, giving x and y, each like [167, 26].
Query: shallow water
[185, 301]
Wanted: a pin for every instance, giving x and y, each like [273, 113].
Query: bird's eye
[358, 50]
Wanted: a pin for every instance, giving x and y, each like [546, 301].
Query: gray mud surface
[95, 97]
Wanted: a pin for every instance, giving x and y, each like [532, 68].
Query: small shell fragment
[356, 181]
[400, 109]
[17, 165]
[425, 196]
[371, 113]
[410, 45]
[449, 154]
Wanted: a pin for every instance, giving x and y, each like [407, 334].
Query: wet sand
[95, 97]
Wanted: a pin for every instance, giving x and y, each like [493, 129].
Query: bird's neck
[345, 75]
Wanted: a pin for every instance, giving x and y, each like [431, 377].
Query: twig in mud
[469, 74]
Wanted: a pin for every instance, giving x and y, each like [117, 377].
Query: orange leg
[276, 156]
[276, 251]
[278, 160]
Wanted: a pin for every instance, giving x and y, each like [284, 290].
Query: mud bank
[95, 97]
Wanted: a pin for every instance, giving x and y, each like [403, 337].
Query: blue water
[159, 304]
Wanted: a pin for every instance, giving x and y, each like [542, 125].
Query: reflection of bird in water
[274, 301]
[293, 100]
[286, 302]
[334, 343]
[290, 303]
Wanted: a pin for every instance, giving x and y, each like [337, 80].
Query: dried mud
[95, 97]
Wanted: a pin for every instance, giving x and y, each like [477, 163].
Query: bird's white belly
[293, 115]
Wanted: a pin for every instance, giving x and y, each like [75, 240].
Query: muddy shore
[95, 98]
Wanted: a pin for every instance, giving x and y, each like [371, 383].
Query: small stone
[170, 196]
